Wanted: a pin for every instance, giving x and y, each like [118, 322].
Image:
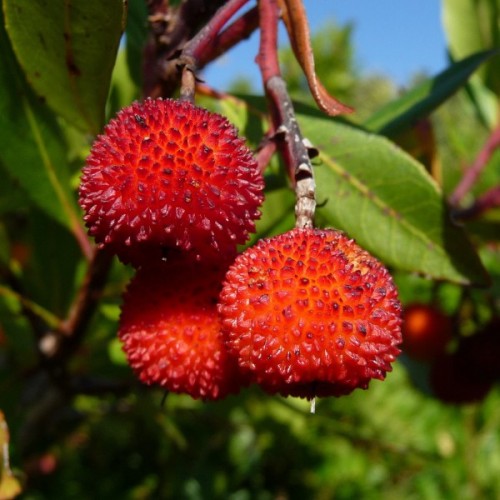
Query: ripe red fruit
[309, 313]
[166, 174]
[483, 351]
[171, 331]
[454, 380]
[426, 331]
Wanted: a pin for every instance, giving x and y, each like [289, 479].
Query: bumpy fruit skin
[171, 331]
[309, 313]
[166, 174]
[426, 331]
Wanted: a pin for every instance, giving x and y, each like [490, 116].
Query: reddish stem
[265, 151]
[292, 145]
[473, 173]
[203, 40]
[237, 31]
[56, 346]
[487, 201]
[201, 44]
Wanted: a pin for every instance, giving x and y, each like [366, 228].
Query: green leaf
[401, 114]
[51, 277]
[67, 50]
[32, 150]
[12, 198]
[278, 214]
[472, 26]
[123, 89]
[137, 31]
[386, 200]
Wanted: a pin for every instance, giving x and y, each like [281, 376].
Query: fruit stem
[205, 41]
[237, 31]
[210, 42]
[58, 345]
[473, 173]
[487, 201]
[292, 145]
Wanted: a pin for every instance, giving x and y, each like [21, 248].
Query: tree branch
[288, 135]
[487, 201]
[473, 173]
[58, 345]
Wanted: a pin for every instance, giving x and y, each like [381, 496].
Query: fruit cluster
[459, 369]
[171, 189]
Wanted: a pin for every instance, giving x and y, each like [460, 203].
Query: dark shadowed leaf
[137, 30]
[386, 200]
[401, 114]
[67, 50]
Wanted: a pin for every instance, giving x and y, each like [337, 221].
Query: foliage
[82, 427]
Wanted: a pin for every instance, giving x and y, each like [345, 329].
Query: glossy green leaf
[137, 30]
[67, 50]
[384, 199]
[278, 214]
[401, 114]
[32, 150]
[472, 26]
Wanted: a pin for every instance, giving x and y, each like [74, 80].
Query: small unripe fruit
[426, 331]
[171, 331]
[309, 313]
[167, 174]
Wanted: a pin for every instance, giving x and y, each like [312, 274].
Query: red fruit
[483, 351]
[169, 174]
[309, 313]
[426, 331]
[455, 381]
[171, 331]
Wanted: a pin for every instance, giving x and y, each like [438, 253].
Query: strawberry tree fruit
[171, 332]
[426, 331]
[168, 174]
[309, 313]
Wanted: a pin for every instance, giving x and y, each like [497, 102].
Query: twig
[170, 29]
[57, 345]
[203, 40]
[293, 147]
[206, 45]
[487, 201]
[237, 31]
[188, 83]
[266, 150]
[472, 174]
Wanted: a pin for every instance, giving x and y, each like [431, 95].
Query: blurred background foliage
[100, 434]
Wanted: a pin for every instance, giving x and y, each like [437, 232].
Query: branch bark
[288, 135]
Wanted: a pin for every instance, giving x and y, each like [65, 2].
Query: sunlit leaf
[386, 200]
[67, 50]
[278, 214]
[401, 114]
[472, 26]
